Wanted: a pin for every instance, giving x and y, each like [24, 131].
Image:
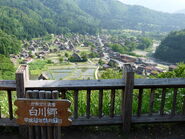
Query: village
[98, 45]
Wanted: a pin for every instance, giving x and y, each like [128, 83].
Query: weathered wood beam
[163, 100]
[8, 85]
[140, 98]
[106, 120]
[105, 84]
[10, 107]
[127, 98]
[94, 84]
[20, 90]
[112, 103]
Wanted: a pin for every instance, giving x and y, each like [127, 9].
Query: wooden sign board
[43, 112]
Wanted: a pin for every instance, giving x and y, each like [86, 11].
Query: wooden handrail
[126, 85]
[8, 85]
[95, 84]
[108, 83]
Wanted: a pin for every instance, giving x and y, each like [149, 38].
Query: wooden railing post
[21, 79]
[127, 98]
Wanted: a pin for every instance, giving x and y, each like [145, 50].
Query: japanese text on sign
[47, 112]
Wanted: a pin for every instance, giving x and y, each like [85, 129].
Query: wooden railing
[132, 91]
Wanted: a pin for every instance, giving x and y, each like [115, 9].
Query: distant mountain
[114, 14]
[33, 18]
[181, 11]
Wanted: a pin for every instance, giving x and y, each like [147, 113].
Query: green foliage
[7, 72]
[113, 14]
[61, 59]
[73, 59]
[111, 74]
[93, 55]
[179, 72]
[100, 62]
[66, 55]
[144, 43]
[7, 69]
[9, 44]
[38, 65]
[130, 45]
[172, 47]
[48, 37]
[83, 57]
[117, 48]
[88, 43]
[49, 61]
[34, 18]
[19, 18]
[124, 49]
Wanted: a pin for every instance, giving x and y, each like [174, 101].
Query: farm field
[66, 71]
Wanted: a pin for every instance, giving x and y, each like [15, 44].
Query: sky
[159, 5]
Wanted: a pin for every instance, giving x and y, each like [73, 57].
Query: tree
[100, 62]
[144, 43]
[7, 69]
[117, 48]
[111, 74]
[49, 61]
[66, 55]
[172, 47]
[179, 72]
[84, 56]
[93, 55]
[61, 59]
[9, 44]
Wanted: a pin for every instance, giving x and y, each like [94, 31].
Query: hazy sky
[160, 5]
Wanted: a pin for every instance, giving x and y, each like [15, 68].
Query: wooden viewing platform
[127, 85]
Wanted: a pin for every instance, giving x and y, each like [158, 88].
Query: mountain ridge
[136, 17]
[34, 18]
[181, 11]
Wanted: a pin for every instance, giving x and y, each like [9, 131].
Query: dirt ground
[172, 131]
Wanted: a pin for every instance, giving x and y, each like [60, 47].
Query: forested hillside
[116, 15]
[34, 18]
[24, 18]
[172, 48]
[9, 44]
[7, 69]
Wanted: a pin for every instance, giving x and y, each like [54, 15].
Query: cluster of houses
[41, 48]
[141, 66]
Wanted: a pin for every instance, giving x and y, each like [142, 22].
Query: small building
[76, 57]
[105, 66]
[140, 70]
[43, 77]
[172, 67]
[128, 58]
[71, 46]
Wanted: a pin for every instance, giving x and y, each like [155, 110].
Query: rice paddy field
[78, 71]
